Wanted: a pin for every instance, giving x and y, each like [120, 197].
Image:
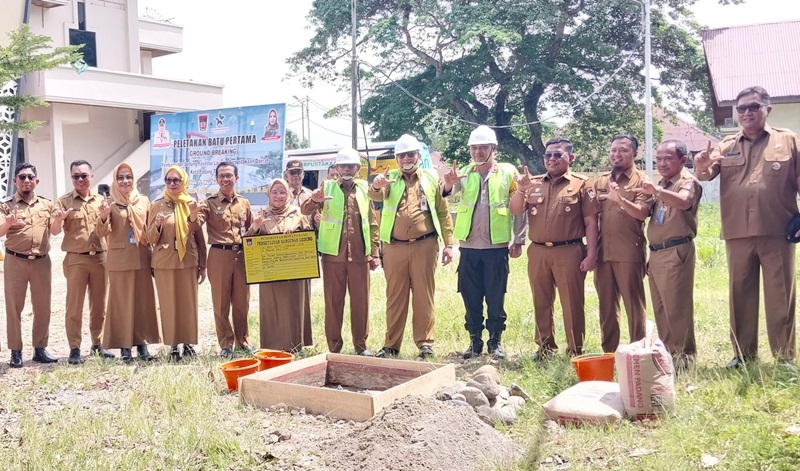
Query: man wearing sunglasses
[621, 254]
[85, 262]
[562, 210]
[25, 221]
[758, 169]
[487, 235]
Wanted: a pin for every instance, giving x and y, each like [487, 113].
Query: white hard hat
[482, 135]
[348, 156]
[406, 143]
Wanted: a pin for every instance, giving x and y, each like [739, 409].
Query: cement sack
[645, 374]
[593, 402]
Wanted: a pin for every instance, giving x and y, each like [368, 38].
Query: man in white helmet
[415, 215]
[348, 242]
[485, 228]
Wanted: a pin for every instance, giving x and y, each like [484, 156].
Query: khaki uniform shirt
[290, 221]
[298, 197]
[351, 244]
[411, 221]
[758, 183]
[621, 235]
[668, 223]
[123, 252]
[556, 207]
[226, 220]
[80, 227]
[165, 248]
[34, 238]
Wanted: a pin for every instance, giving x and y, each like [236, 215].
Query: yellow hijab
[181, 201]
[130, 200]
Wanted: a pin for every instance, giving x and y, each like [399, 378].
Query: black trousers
[483, 275]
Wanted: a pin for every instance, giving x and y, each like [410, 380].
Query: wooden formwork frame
[391, 378]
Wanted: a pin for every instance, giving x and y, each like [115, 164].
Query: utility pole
[354, 80]
[308, 115]
[303, 117]
[648, 105]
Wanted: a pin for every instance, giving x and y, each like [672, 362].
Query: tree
[443, 66]
[28, 52]
[293, 141]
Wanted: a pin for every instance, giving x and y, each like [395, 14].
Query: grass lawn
[106, 415]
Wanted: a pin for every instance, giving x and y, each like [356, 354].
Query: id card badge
[131, 238]
[661, 214]
[175, 243]
[423, 201]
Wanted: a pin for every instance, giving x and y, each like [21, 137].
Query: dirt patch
[413, 433]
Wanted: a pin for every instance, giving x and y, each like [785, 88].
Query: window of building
[82, 16]
[86, 39]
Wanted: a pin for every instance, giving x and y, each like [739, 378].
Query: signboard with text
[280, 257]
[251, 137]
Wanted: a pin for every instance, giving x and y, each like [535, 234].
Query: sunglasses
[26, 176]
[80, 176]
[752, 107]
[554, 155]
[173, 181]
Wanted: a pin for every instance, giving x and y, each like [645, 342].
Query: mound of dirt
[419, 433]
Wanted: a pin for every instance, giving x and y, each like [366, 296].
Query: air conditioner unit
[729, 123]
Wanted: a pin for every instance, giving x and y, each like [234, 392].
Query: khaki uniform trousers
[229, 294]
[746, 257]
[558, 267]
[410, 266]
[612, 280]
[82, 272]
[671, 276]
[339, 278]
[20, 272]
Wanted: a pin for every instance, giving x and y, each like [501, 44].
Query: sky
[245, 49]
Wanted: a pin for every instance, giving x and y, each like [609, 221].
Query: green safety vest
[430, 187]
[330, 225]
[500, 221]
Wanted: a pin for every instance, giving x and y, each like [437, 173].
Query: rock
[518, 391]
[489, 370]
[459, 397]
[504, 394]
[445, 394]
[475, 397]
[485, 414]
[516, 402]
[459, 403]
[486, 384]
[279, 407]
[505, 415]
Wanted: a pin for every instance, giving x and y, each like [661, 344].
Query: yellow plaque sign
[280, 257]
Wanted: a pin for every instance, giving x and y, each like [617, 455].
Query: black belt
[670, 243]
[559, 244]
[91, 252]
[227, 247]
[28, 257]
[429, 234]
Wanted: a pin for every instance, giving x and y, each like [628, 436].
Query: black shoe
[75, 356]
[475, 347]
[387, 352]
[226, 353]
[188, 351]
[364, 353]
[175, 354]
[101, 352]
[41, 355]
[494, 346]
[738, 362]
[425, 351]
[125, 355]
[143, 354]
[16, 359]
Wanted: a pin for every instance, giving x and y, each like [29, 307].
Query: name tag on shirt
[131, 238]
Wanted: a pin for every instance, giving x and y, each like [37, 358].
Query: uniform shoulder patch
[590, 192]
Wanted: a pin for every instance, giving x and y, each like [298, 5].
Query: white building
[102, 114]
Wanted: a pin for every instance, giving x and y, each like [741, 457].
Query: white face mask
[410, 167]
[347, 178]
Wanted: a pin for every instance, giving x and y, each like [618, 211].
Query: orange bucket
[233, 370]
[271, 358]
[594, 367]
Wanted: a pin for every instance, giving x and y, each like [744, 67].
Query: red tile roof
[766, 55]
[674, 127]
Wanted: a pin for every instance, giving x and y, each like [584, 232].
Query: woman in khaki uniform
[281, 303]
[131, 308]
[179, 260]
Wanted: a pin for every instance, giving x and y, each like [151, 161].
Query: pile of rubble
[493, 402]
